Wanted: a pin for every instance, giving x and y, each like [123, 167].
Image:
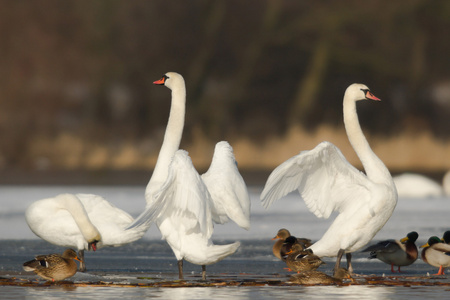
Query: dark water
[149, 260]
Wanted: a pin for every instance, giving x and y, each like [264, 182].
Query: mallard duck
[317, 277]
[54, 267]
[327, 182]
[283, 245]
[437, 254]
[300, 259]
[446, 236]
[396, 253]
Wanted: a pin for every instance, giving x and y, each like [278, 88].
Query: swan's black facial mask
[161, 81]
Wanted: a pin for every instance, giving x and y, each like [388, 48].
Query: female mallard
[283, 245]
[396, 253]
[437, 254]
[54, 267]
[317, 277]
[300, 259]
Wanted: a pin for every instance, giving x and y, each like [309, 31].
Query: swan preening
[327, 182]
[184, 204]
[81, 221]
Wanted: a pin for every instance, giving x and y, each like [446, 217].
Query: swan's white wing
[182, 196]
[229, 195]
[325, 179]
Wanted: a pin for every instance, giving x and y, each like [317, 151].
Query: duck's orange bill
[277, 237]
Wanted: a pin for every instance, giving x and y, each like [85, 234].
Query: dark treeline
[253, 68]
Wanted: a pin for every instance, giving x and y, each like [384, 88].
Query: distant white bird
[81, 221]
[327, 182]
[186, 203]
[410, 185]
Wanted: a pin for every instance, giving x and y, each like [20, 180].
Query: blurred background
[77, 103]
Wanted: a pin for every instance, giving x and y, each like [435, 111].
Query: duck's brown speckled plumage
[320, 278]
[300, 260]
[54, 267]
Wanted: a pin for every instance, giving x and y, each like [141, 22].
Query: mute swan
[327, 182]
[81, 221]
[437, 254]
[396, 253]
[187, 203]
[54, 267]
[416, 185]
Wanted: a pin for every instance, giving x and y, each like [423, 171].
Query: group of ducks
[299, 258]
[184, 205]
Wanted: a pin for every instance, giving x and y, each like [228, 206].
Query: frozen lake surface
[151, 257]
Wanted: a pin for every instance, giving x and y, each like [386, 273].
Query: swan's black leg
[203, 272]
[338, 261]
[349, 263]
[180, 269]
[82, 267]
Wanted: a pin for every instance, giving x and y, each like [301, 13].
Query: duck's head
[359, 91]
[431, 241]
[70, 254]
[282, 234]
[171, 80]
[412, 237]
[446, 237]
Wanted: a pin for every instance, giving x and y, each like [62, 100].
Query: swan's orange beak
[371, 96]
[160, 81]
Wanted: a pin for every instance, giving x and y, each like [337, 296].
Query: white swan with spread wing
[184, 204]
[327, 182]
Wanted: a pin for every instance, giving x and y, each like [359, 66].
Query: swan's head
[171, 80]
[92, 244]
[359, 91]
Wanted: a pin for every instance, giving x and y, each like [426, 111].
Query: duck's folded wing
[326, 181]
[384, 246]
[443, 247]
[182, 196]
[229, 195]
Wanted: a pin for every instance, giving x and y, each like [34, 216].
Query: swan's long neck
[172, 139]
[74, 206]
[373, 166]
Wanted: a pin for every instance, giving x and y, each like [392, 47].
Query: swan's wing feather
[101, 210]
[182, 195]
[229, 195]
[324, 178]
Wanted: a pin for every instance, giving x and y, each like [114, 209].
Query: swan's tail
[214, 253]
